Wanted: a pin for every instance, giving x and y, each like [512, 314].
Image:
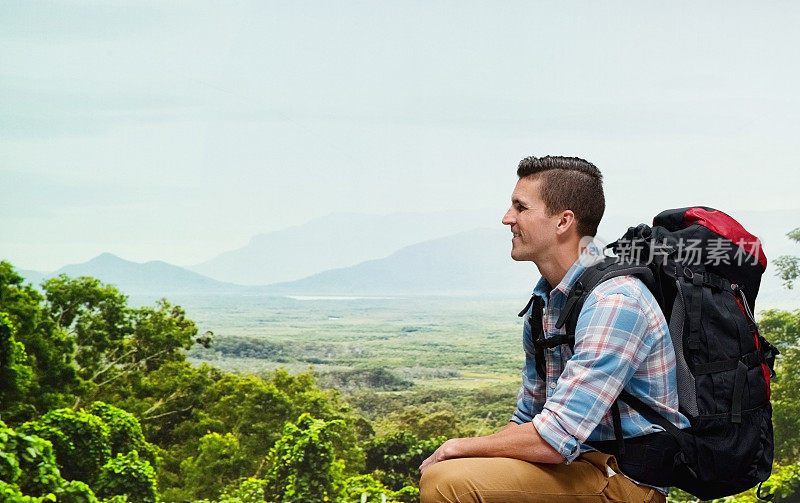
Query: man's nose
[507, 218]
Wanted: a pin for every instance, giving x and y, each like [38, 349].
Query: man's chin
[520, 257]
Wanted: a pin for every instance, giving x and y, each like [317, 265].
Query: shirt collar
[590, 256]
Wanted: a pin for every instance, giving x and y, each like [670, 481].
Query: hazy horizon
[179, 131]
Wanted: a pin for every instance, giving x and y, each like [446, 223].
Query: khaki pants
[506, 480]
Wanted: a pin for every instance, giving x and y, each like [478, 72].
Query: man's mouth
[516, 235]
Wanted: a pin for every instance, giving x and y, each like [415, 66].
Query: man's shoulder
[624, 301]
[631, 287]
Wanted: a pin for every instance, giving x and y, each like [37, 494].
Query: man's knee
[441, 483]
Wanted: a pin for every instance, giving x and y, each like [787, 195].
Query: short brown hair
[569, 183]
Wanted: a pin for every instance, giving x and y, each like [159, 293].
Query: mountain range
[476, 261]
[334, 241]
[154, 277]
[472, 262]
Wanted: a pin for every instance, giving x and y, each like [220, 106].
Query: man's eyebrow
[514, 200]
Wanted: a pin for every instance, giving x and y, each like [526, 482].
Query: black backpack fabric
[704, 269]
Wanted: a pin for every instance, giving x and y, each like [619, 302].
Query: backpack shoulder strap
[536, 306]
[593, 276]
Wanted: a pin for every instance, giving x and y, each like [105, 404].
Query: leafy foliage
[80, 442]
[219, 461]
[782, 328]
[302, 463]
[366, 377]
[789, 265]
[78, 446]
[27, 461]
[396, 458]
[359, 485]
[82, 342]
[93, 315]
[29, 473]
[130, 476]
[124, 431]
[49, 350]
[15, 372]
[249, 490]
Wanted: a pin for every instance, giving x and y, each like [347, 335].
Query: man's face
[534, 230]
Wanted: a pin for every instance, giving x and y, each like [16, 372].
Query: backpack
[704, 269]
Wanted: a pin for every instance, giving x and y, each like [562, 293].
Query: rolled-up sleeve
[530, 399]
[531, 395]
[612, 340]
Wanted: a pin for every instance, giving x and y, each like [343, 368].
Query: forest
[99, 402]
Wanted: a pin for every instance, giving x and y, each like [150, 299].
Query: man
[621, 341]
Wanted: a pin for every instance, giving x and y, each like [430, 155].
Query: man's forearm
[519, 442]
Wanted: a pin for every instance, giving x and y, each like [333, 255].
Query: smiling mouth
[515, 235]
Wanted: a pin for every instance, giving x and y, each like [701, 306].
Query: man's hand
[518, 442]
[449, 449]
[445, 451]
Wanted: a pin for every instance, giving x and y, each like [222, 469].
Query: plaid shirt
[621, 341]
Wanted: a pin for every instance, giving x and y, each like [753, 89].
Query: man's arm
[509, 425]
[612, 339]
[518, 441]
[591, 381]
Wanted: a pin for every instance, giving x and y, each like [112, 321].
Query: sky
[178, 130]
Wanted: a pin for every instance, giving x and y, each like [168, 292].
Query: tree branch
[179, 411]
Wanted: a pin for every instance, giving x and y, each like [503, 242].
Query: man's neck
[555, 267]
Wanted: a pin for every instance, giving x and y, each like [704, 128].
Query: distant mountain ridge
[333, 241]
[139, 278]
[472, 262]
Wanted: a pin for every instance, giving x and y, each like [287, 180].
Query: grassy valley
[442, 353]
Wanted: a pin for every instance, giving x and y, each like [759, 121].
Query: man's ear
[566, 222]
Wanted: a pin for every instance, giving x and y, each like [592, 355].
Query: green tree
[80, 442]
[27, 461]
[427, 421]
[161, 334]
[252, 409]
[94, 316]
[219, 461]
[127, 475]
[179, 404]
[16, 375]
[789, 265]
[782, 328]
[169, 402]
[78, 446]
[29, 472]
[83, 342]
[49, 350]
[303, 466]
[149, 338]
[327, 405]
[249, 490]
[125, 432]
[396, 458]
[355, 487]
